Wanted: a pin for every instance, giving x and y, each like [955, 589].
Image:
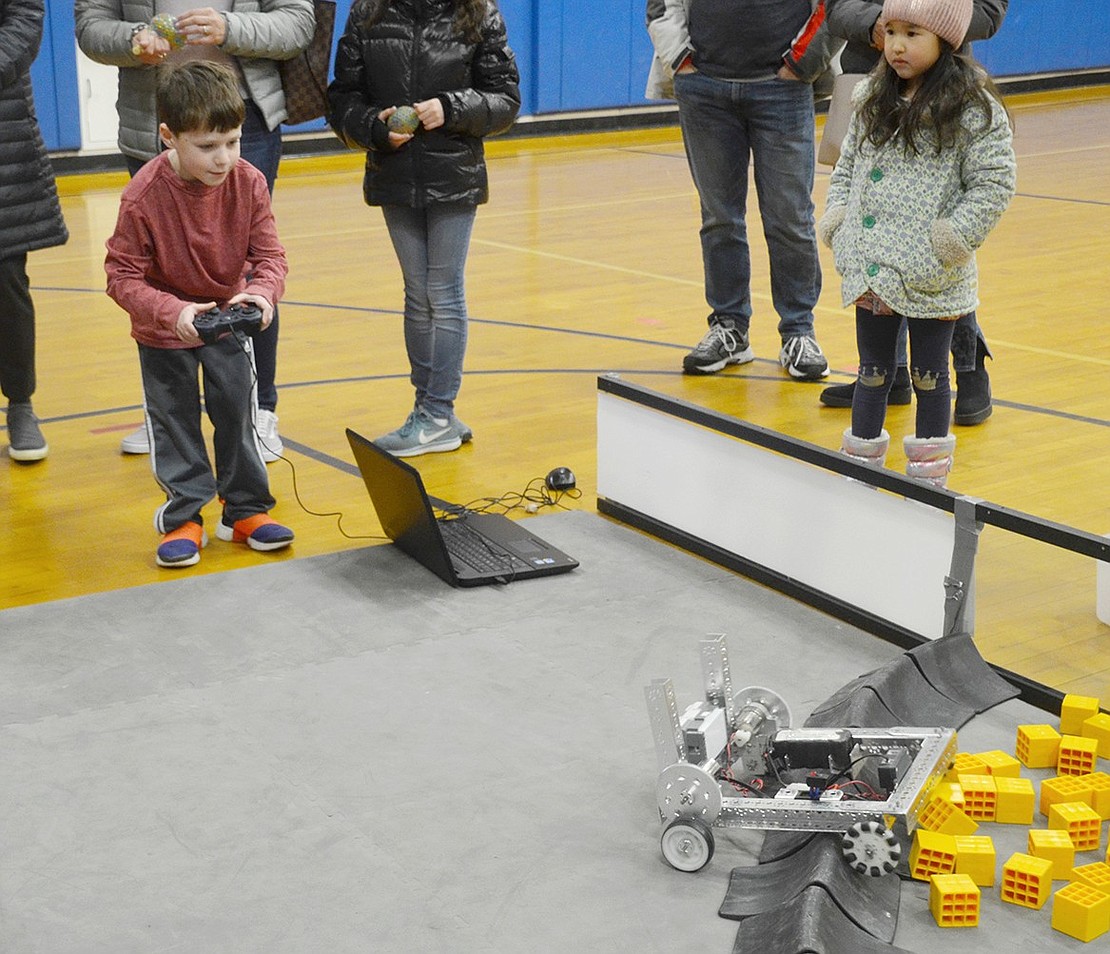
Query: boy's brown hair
[199, 96]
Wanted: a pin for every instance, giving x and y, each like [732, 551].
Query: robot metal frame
[732, 741]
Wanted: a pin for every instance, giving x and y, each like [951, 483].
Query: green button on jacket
[869, 221]
[872, 269]
[876, 174]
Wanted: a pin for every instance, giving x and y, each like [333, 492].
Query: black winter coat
[411, 54]
[30, 216]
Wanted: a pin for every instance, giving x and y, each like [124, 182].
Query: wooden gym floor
[586, 261]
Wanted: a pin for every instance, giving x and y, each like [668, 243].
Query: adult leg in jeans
[715, 132]
[780, 125]
[431, 246]
[261, 147]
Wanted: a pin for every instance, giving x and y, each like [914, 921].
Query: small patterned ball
[166, 27]
[404, 120]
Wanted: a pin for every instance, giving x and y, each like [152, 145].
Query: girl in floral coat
[926, 171]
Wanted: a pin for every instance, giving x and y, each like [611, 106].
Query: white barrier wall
[866, 547]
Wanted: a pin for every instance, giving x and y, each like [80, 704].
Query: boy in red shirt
[195, 232]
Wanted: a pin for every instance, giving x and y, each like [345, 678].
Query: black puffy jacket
[414, 53]
[30, 216]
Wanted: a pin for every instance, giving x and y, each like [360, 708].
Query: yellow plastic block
[1074, 710]
[1056, 846]
[1080, 821]
[1099, 794]
[1063, 788]
[932, 853]
[965, 764]
[1097, 727]
[951, 792]
[1096, 874]
[976, 858]
[1026, 881]
[1077, 755]
[1000, 763]
[1016, 801]
[980, 796]
[945, 816]
[1080, 911]
[1037, 746]
[954, 900]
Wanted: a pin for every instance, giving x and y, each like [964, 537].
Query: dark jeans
[930, 343]
[726, 126]
[17, 331]
[261, 147]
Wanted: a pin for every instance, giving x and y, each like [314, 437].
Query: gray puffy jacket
[259, 32]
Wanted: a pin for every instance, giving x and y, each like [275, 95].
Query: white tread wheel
[687, 844]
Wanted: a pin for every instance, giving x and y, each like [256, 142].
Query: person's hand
[149, 47]
[185, 329]
[259, 302]
[786, 73]
[430, 112]
[396, 139]
[203, 27]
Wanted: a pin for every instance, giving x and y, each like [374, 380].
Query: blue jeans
[261, 147]
[431, 246]
[724, 125]
[930, 342]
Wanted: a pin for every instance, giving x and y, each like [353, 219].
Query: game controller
[215, 324]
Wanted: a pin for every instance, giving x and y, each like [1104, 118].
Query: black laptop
[468, 549]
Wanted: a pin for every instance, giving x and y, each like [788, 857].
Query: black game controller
[215, 324]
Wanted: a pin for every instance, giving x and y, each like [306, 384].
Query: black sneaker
[25, 440]
[722, 345]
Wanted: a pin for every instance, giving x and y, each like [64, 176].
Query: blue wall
[594, 54]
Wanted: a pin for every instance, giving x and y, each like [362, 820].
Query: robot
[733, 761]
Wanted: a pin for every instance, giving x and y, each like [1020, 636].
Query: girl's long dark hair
[469, 15]
[934, 117]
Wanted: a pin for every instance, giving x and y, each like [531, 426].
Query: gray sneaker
[722, 345]
[802, 357]
[421, 434]
[465, 433]
[25, 440]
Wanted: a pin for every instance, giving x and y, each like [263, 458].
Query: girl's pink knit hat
[948, 19]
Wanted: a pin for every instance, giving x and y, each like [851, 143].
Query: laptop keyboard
[466, 544]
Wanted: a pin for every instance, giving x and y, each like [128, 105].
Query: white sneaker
[267, 426]
[137, 442]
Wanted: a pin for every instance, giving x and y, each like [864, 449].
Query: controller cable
[531, 499]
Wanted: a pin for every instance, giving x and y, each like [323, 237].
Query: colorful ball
[166, 27]
[404, 120]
